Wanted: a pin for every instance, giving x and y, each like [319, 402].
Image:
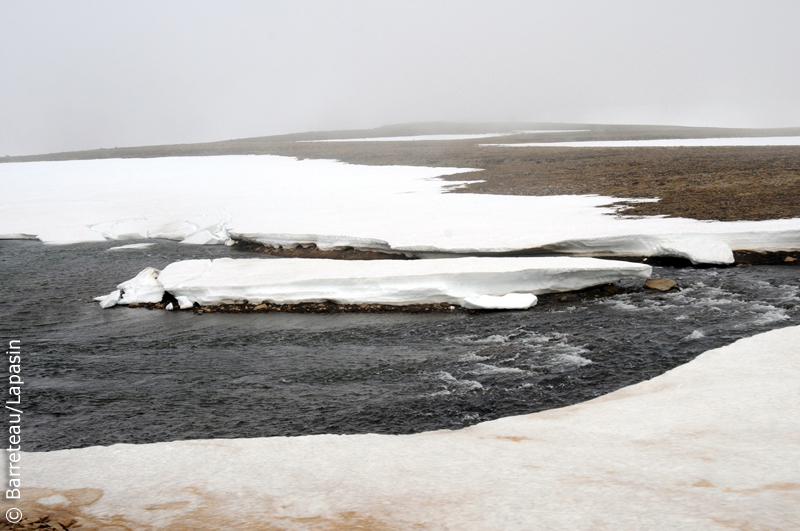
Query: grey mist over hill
[91, 74]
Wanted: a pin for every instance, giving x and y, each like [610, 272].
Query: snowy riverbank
[283, 201]
[708, 445]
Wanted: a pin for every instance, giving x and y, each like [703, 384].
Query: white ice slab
[131, 246]
[279, 199]
[510, 301]
[669, 142]
[711, 445]
[144, 287]
[110, 300]
[446, 137]
[490, 283]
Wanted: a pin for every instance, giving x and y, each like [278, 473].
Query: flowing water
[125, 375]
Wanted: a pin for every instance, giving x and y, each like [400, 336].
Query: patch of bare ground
[719, 183]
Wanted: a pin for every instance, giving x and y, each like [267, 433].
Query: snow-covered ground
[491, 283]
[671, 142]
[203, 200]
[710, 445]
[445, 137]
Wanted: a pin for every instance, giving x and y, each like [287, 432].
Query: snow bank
[445, 137]
[283, 201]
[490, 283]
[670, 142]
[510, 301]
[195, 199]
[131, 246]
[696, 247]
[710, 445]
[144, 287]
[18, 236]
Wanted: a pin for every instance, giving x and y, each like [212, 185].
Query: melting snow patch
[459, 385]
[280, 199]
[670, 142]
[573, 360]
[416, 138]
[131, 246]
[483, 368]
[55, 499]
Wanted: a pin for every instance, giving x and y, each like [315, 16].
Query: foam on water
[471, 339]
[771, 316]
[131, 246]
[453, 384]
[519, 335]
[482, 368]
[523, 352]
[573, 360]
[696, 334]
[621, 304]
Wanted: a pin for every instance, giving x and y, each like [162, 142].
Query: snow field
[280, 200]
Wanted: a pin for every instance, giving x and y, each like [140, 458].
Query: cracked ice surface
[282, 200]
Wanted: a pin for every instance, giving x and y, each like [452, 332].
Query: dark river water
[123, 375]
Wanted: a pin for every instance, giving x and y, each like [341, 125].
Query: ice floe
[473, 282]
[669, 142]
[709, 445]
[284, 201]
[131, 246]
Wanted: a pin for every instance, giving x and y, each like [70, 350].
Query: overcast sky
[87, 74]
